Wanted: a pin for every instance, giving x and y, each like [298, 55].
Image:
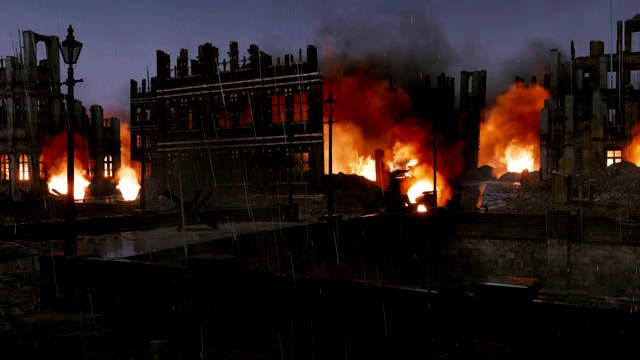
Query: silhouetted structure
[592, 114]
[243, 124]
[32, 112]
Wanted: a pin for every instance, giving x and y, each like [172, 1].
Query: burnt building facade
[33, 112]
[592, 115]
[460, 123]
[232, 126]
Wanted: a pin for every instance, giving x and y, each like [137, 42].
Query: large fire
[55, 159]
[58, 182]
[510, 136]
[370, 115]
[127, 176]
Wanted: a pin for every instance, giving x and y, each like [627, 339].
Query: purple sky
[504, 37]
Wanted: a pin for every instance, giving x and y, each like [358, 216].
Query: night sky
[504, 37]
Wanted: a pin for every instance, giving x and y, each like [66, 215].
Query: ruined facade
[461, 123]
[592, 114]
[33, 112]
[230, 126]
[473, 102]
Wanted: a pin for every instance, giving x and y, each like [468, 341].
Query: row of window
[23, 167]
[241, 111]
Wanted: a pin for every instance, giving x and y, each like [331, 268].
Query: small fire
[519, 158]
[58, 182]
[365, 167]
[633, 150]
[128, 183]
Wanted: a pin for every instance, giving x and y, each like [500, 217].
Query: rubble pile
[613, 191]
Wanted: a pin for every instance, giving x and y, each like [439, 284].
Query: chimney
[183, 63]
[233, 56]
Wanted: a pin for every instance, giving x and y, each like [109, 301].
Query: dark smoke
[400, 48]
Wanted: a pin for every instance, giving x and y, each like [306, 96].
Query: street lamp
[330, 104]
[70, 49]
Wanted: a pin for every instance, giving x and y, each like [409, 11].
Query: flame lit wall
[633, 150]
[373, 113]
[128, 174]
[55, 153]
[511, 125]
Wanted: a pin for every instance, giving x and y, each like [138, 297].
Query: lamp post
[330, 106]
[70, 49]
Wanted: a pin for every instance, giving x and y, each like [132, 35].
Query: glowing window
[42, 168]
[108, 166]
[5, 167]
[614, 157]
[147, 169]
[278, 108]
[245, 117]
[23, 167]
[224, 119]
[300, 108]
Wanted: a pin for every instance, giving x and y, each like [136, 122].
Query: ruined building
[592, 114]
[230, 126]
[462, 123]
[473, 102]
[33, 112]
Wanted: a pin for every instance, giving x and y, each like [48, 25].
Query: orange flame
[510, 137]
[519, 158]
[633, 150]
[365, 167]
[55, 159]
[127, 176]
[128, 183]
[58, 182]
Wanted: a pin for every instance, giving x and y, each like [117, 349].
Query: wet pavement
[123, 244]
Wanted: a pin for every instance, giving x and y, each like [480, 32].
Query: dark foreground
[252, 316]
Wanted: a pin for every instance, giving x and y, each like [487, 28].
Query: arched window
[42, 168]
[23, 167]
[108, 166]
[5, 167]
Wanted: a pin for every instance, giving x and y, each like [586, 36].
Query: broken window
[300, 108]
[42, 168]
[224, 119]
[108, 166]
[611, 80]
[147, 168]
[190, 121]
[301, 165]
[635, 41]
[278, 109]
[635, 79]
[43, 111]
[5, 167]
[245, 117]
[614, 156]
[3, 113]
[612, 117]
[23, 167]
[106, 122]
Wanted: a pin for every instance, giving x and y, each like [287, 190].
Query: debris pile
[613, 191]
